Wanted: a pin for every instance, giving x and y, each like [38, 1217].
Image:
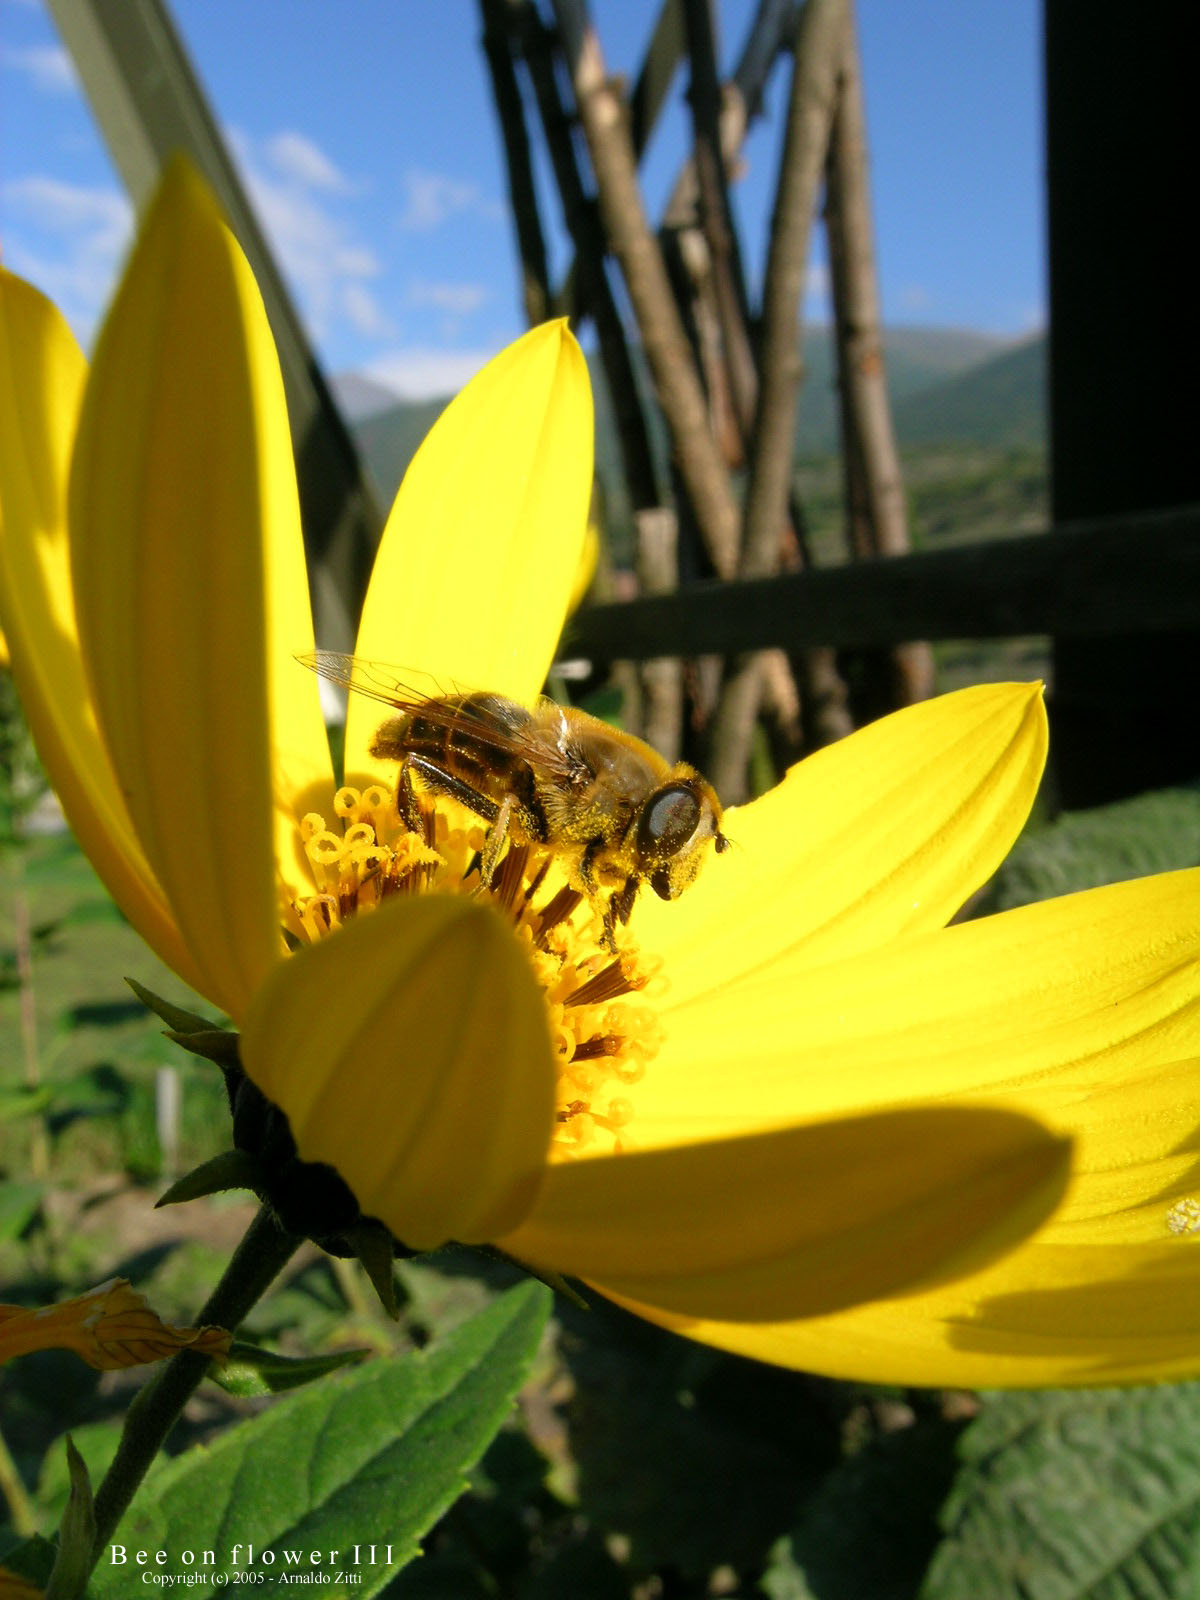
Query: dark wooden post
[1121, 143]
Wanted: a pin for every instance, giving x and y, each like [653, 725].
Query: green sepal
[232, 1169]
[249, 1372]
[214, 1044]
[372, 1244]
[174, 1016]
[552, 1280]
[76, 1535]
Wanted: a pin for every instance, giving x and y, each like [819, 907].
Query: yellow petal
[190, 585]
[481, 550]
[42, 375]
[1063, 994]
[410, 1050]
[886, 832]
[110, 1328]
[589, 560]
[1106, 1292]
[801, 1221]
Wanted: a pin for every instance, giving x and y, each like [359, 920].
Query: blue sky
[366, 132]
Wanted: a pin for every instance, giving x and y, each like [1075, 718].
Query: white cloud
[421, 373]
[48, 67]
[432, 198]
[68, 239]
[295, 189]
[295, 156]
[364, 312]
[457, 299]
[67, 207]
[914, 297]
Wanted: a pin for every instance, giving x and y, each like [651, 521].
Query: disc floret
[366, 854]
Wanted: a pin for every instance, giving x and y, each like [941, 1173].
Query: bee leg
[407, 803]
[439, 781]
[618, 911]
[497, 834]
[586, 870]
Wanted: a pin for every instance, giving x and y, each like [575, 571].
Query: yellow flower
[110, 1328]
[793, 1092]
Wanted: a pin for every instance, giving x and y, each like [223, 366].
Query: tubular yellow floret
[368, 854]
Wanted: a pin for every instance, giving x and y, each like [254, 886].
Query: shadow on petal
[800, 1221]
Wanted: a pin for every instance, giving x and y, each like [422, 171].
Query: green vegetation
[957, 494]
[1000, 401]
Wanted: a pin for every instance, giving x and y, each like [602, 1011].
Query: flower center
[602, 1041]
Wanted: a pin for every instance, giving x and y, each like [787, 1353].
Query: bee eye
[668, 820]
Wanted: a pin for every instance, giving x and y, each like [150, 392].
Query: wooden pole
[605, 123]
[780, 365]
[876, 510]
[531, 244]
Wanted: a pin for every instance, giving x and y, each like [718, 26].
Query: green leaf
[1075, 1495]
[1156, 832]
[697, 1459]
[872, 1525]
[251, 1372]
[19, 1204]
[372, 1457]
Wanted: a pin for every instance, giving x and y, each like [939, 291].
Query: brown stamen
[600, 1044]
[535, 883]
[606, 984]
[557, 909]
[509, 875]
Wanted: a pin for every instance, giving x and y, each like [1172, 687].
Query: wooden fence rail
[1112, 575]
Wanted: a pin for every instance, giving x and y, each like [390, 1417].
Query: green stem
[264, 1251]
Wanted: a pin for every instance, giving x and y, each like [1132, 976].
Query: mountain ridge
[947, 387]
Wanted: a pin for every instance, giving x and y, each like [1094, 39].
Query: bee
[613, 811]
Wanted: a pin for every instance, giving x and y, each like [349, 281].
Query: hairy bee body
[609, 806]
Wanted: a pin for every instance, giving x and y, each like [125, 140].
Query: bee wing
[541, 736]
[378, 679]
